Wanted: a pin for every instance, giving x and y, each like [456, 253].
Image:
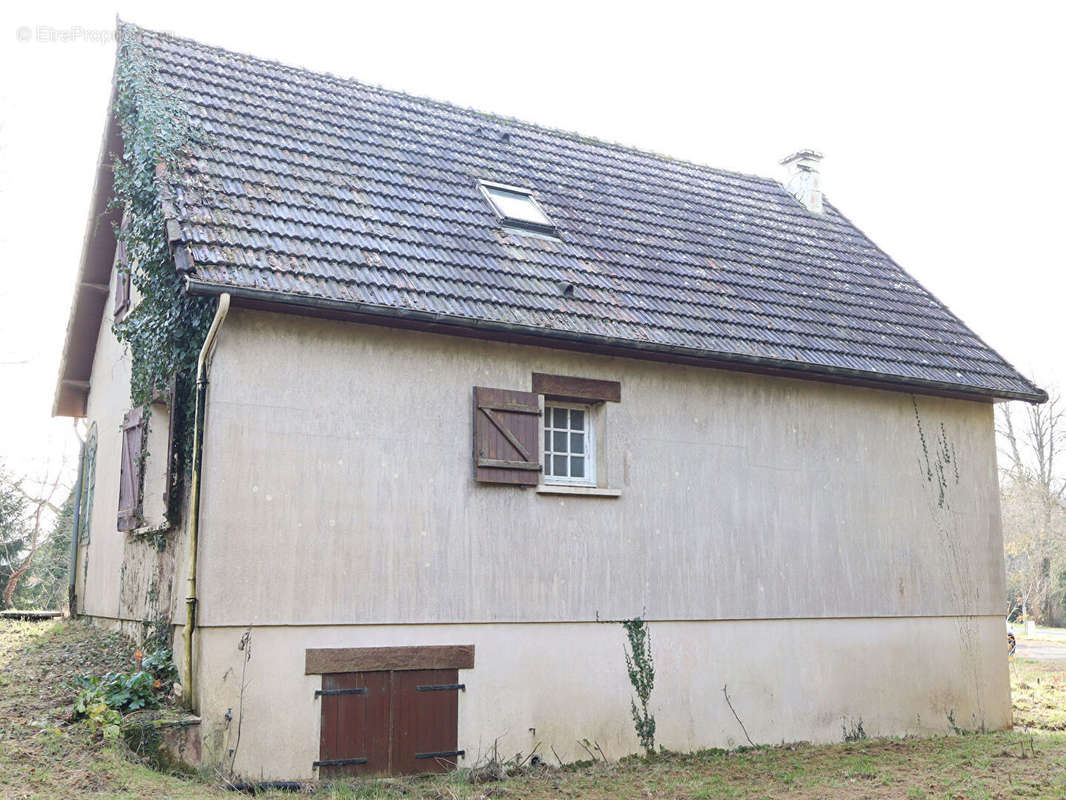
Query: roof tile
[306, 184]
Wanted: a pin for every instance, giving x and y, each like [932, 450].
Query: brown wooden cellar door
[389, 723]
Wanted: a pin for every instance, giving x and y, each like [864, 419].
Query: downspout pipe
[72, 575]
[202, 364]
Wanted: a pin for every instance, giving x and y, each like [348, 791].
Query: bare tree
[1033, 493]
[19, 550]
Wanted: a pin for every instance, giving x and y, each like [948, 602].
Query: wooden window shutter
[122, 280]
[396, 722]
[506, 436]
[130, 483]
[425, 721]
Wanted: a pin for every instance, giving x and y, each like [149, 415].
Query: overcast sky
[941, 124]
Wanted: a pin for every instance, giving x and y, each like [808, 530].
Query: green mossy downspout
[194, 496]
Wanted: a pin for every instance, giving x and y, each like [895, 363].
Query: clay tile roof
[333, 192]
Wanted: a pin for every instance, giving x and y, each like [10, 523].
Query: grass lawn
[1040, 634]
[43, 754]
[1039, 692]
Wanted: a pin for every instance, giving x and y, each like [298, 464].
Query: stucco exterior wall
[554, 684]
[124, 577]
[831, 553]
[794, 540]
[337, 489]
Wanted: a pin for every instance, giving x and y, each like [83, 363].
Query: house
[451, 396]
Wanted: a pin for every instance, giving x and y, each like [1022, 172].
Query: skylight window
[516, 207]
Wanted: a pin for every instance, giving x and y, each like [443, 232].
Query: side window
[88, 484]
[511, 426]
[573, 422]
[130, 475]
[569, 446]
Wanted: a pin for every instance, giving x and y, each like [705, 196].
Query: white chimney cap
[803, 159]
[804, 182]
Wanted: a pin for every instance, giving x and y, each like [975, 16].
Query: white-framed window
[569, 446]
[516, 207]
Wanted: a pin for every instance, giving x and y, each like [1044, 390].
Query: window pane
[560, 442]
[547, 441]
[559, 415]
[577, 420]
[559, 465]
[577, 467]
[577, 442]
[548, 465]
[514, 205]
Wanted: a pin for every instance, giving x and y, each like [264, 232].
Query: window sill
[587, 491]
[149, 530]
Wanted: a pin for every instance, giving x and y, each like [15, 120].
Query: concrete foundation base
[169, 741]
[789, 680]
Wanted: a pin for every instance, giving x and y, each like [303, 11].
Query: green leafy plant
[160, 665]
[91, 704]
[166, 327]
[102, 700]
[119, 691]
[130, 692]
[641, 671]
[158, 659]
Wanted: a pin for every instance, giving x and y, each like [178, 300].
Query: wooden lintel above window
[580, 389]
[318, 661]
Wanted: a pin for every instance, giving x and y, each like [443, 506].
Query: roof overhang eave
[441, 323]
[94, 278]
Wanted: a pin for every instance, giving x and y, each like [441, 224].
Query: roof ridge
[444, 104]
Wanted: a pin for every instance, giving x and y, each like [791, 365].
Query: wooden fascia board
[268, 300]
[94, 273]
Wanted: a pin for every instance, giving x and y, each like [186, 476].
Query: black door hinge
[321, 692]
